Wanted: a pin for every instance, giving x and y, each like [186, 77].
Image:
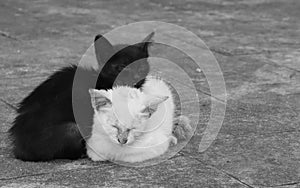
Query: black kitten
[45, 127]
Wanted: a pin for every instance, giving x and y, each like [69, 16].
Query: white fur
[151, 136]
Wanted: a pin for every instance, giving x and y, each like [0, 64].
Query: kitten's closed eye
[116, 127]
[148, 111]
[99, 99]
[101, 102]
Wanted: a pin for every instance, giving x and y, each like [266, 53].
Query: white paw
[173, 140]
[182, 128]
[95, 156]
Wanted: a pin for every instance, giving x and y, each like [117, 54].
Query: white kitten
[131, 125]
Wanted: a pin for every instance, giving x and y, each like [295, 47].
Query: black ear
[103, 49]
[146, 41]
[149, 37]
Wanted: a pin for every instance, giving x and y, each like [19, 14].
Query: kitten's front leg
[173, 140]
[95, 156]
[182, 128]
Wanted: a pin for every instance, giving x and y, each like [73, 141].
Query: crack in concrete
[281, 185]
[23, 176]
[240, 136]
[285, 184]
[9, 105]
[199, 90]
[180, 154]
[221, 171]
[45, 173]
[270, 62]
[7, 35]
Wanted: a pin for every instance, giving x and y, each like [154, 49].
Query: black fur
[45, 127]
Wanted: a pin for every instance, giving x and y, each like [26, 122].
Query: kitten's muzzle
[123, 137]
[122, 141]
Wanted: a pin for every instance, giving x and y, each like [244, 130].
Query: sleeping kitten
[130, 124]
[45, 127]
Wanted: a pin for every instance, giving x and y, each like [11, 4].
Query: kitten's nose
[122, 140]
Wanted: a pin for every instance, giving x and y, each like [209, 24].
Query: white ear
[99, 98]
[152, 101]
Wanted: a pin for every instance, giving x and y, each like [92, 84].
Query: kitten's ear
[99, 98]
[103, 49]
[146, 41]
[153, 101]
[149, 37]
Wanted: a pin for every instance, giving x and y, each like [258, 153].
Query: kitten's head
[128, 63]
[123, 112]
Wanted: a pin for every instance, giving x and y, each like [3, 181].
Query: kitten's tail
[9, 105]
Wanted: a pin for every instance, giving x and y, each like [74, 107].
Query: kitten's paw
[182, 128]
[95, 157]
[173, 140]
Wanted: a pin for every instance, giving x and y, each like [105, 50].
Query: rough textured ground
[256, 44]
